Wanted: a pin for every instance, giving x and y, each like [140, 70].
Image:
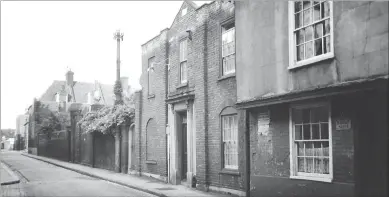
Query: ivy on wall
[107, 118]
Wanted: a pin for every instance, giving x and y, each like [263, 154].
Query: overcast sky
[39, 40]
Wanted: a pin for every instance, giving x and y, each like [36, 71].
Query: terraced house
[312, 79]
[186, 123]
[268, 98]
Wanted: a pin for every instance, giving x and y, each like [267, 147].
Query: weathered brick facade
[353, 83]
[206, 94]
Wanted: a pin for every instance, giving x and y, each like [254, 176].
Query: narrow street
[38, 178]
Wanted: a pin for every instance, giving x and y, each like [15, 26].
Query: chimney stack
[69, 78]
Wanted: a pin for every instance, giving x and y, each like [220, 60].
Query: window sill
[151, 162]
[311, 178]
[312, 60]
[233, 172]
[226, 76]
[151, 96]
[182, 85]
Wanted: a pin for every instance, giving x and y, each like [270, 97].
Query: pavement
[142, 183]
[7, 176]
[38, 178]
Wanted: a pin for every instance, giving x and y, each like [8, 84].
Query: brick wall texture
[211, 94]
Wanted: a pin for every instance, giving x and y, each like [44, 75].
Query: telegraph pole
[119, 37]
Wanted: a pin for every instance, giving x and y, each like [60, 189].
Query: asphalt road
[42, 179]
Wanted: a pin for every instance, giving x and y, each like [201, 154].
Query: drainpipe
[166, 107]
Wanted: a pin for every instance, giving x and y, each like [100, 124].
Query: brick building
[186, 125]
[312, 82]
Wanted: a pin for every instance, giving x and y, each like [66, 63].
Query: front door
[184, 149]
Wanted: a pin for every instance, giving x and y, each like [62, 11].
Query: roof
[81, 90]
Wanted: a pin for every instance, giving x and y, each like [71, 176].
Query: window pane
[327, 27]
[306, 4]
[318, 165]
[298, 19]
[307, 17]
[300, 148]
[324, 130]
[317, 148]
[309, 50]
[309, 165]
[298, 132]
[306, 115]
[300, 164]
[316, 12]
[315, 131]
[297, 6]
[326, 148]
[309, 148]
[306, 132]
[300, 36]
[326, 9]
[326, 166]
[327, 44]
[319, 30]
[318, 47]
[308, 33]
[316, 2]
[300, 52]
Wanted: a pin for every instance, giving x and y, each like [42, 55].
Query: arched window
[152, 139]
[229, 128]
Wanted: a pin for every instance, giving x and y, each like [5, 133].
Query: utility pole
[119, 37]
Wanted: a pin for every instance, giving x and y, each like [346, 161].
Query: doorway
[184, 145]
[131, 151]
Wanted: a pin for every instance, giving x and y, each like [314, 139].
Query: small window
[311, 136]
[228, 49]
[311, 32]
[230, 141]
[183, 12]
[183, 61]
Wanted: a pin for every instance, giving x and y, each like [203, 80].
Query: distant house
[64, 96]
[71, 91]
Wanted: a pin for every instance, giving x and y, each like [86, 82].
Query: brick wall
[270, 154]
[211, 94]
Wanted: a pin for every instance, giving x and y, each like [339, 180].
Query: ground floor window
[230, 141]
[311, 140]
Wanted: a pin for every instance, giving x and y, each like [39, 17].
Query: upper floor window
[183, 61]
[310, 32]
[149, 75]
[228, 49]
[311, 142]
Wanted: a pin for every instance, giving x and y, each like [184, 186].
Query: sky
[40, 40]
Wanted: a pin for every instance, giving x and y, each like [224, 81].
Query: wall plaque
[263, 124]
[343, 124]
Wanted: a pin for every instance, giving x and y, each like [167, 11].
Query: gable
[188, 7]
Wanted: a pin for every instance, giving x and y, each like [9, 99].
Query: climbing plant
[107, 118]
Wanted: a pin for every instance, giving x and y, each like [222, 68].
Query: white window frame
[183, 59]
[292, 41]
[293, 150]
[235, 135]
[227, 55]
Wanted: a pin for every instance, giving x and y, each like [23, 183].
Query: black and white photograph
[241, 98]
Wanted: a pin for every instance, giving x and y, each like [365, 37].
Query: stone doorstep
[155, 188]
[12, 177]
